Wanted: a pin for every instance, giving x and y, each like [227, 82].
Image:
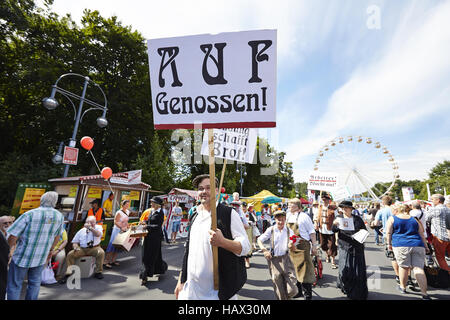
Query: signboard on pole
[70, 155]
[131, 177]
[237, 144]
[325, 181]
[226, 80]
[408, 193]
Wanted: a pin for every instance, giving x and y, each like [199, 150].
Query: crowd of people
[295, 234]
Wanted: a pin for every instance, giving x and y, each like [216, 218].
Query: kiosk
[76, 193]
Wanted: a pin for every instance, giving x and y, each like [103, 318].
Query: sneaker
[98, 275]
[397, 279]
[402, 290]
[426, 297]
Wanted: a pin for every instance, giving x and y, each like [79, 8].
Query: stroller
[318, 267]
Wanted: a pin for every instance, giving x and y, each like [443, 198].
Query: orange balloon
[87, 142]
[106, 173]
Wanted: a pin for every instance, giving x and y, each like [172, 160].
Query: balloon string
[107, 180]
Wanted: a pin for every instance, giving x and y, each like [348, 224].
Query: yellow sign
[31, 199]
[73, 192]
[134, 195]
[94, 192]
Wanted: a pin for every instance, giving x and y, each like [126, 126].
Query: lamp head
[102, 122]
[50, 103]
[57, 159]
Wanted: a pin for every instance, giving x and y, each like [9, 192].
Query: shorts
[410, 257]
[176, 226]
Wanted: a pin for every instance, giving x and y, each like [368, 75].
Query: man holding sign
[196, 277]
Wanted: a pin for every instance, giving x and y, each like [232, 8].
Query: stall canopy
[258, 198]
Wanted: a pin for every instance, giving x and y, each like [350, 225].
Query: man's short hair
[387, 200]
[198, 179]
[439, 196]
[89, 218]
[416, 204]
[49, 199]
[297, 202]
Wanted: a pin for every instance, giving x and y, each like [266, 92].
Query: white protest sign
[341, 193]
[325, 181]
[408, 193]
[226, 80]
[237, 144]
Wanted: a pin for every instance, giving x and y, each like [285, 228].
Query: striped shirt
[437, 216]
[36, 230]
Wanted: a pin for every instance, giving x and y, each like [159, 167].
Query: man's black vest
[232, 271]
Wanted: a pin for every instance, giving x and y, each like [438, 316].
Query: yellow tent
[257, 198]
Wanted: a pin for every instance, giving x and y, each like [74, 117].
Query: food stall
[76, 193]
[186, 199]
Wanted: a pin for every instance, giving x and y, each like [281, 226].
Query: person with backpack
[281, 268]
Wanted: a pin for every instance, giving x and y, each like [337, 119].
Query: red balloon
[87, 142]
[222, 190]
[106, 173]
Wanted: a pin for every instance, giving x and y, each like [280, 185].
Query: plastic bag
[48, 276]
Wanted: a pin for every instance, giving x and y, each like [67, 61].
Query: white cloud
[410, 82]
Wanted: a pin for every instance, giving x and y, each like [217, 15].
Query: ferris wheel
[363, 165]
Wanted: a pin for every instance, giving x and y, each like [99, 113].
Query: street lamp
[51, 104]
[243, 172]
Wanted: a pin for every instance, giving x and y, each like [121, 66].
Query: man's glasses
[7, 223]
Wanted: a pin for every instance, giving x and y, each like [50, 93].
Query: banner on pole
[325, 181]
[226, 80]
[237, 144]
[341, 193]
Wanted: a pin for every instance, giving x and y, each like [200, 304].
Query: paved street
[122, 283]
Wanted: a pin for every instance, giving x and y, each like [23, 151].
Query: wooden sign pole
[212, 175]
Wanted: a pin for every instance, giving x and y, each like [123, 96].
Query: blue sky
[337, 75]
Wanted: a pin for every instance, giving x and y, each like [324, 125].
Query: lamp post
[51, 103]
[242, 170]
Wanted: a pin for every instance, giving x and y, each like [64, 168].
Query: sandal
[107, 266]
[334, 266]
[115, 263]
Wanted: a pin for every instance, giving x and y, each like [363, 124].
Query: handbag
[436, 276]
[48, 276]
[124, 241]
[138, 231]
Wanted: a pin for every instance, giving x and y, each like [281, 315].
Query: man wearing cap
[281, 268]
[96, 211]
[303, 227]
[196, 281]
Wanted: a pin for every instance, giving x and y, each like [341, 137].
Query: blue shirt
[406, 233]
[383, 215]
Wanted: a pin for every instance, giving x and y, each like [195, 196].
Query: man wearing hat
[96, 211]
[326, 215]
[152, 262]
[281, 268]
[265, 216]
[352, 278]
[303, 227]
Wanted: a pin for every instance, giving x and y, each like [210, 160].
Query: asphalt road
[122, 282]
